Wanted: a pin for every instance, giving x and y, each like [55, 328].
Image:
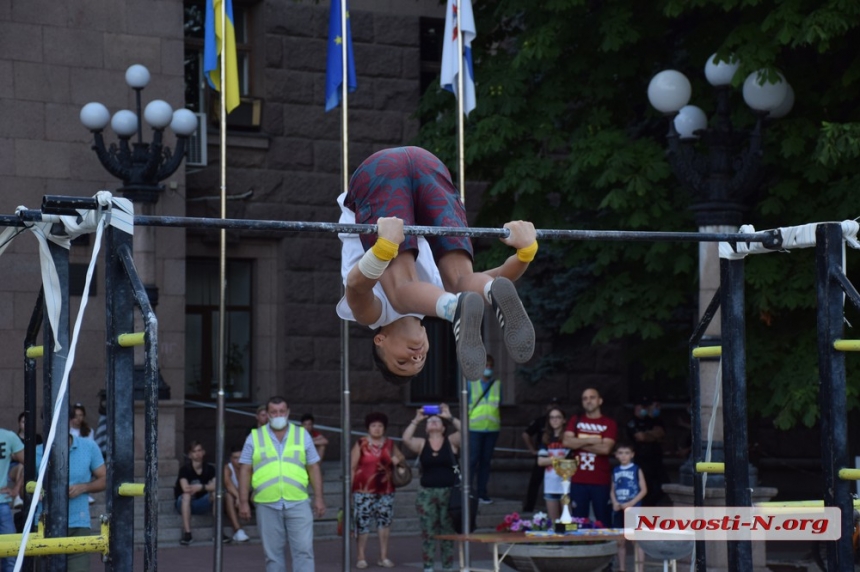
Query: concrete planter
[580, 557]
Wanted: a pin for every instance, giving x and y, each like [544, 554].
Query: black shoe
[467, 332]
[517, 329]
[186, 539]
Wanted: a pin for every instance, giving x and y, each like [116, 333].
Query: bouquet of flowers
[514, 523]
[539, 522]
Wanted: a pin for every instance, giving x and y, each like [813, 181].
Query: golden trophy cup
[565, 468]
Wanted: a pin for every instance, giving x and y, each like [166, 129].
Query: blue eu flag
[334, 67]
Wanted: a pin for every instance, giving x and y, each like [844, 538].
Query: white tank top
[351, 253]
[233, 476]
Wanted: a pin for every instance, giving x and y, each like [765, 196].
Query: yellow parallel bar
[849, 474]
[800, 503]
[38, 545]
[131, 490]
[708, 351]
[710, 467]
[130, 340]
[34, 352]
[847, 345]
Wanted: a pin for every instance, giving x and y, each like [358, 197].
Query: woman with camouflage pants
[436, 455]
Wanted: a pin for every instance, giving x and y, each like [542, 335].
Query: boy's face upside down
[403, 345]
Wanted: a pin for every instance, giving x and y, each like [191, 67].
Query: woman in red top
[372, 461]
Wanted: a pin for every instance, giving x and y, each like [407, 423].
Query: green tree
[564, 136]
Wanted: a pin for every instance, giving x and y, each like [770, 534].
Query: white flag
[450, 65]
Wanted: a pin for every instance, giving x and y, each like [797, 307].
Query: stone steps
[170, 522]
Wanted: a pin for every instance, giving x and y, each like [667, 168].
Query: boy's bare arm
[523, 236]
[359, 288]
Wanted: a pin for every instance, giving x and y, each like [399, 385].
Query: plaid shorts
[411, 184]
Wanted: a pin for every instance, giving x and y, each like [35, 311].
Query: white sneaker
[240, 536]
[18, 502]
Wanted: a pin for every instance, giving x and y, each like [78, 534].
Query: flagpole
[222, 319]
[461, 168]
[344, 324]
[460, 111]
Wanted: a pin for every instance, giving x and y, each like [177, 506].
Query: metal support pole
[465, 456]
[57, 477]
[119, 391]
[345, 428]
[31, 406]
[735, 402]
[150, 373]
[832, 390]
[695, 420]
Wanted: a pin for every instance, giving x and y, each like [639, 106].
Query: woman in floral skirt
[371, 462]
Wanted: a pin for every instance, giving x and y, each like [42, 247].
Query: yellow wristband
[384, 249]
[527, 254]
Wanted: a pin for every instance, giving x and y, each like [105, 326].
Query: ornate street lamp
[141, 166]
[722, 180]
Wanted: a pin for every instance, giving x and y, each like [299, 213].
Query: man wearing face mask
[278, 461]
[647, 432]
[485, 397]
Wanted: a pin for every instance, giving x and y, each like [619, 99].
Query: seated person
[194, 489]
[231, 487]
[320, 441]
[392, 281]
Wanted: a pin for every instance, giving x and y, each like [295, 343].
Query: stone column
[682, 495]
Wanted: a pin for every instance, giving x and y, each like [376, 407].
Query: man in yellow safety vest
[485, 397]
[278, 462]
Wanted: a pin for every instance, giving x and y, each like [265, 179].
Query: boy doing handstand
[392, 281]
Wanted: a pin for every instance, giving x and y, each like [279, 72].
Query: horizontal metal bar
[770, 238]
[131, 489]
[38, 545]
[34, 352]
[800, 503]
[708, 351]
[712, 468]
[131, 340]
[847, 345]
[849, 474]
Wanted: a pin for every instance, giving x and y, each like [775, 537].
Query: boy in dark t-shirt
[194, 489]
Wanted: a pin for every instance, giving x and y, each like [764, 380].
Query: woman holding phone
[437, 455]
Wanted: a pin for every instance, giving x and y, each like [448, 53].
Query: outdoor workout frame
[124, 290]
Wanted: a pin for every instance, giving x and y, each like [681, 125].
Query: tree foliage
[564, 136]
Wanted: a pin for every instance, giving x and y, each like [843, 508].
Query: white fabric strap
[802, 236]
[118, 212]
[63, 389]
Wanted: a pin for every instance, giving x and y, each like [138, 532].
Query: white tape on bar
[802, 236]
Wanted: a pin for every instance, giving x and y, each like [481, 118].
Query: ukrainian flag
[212, 47]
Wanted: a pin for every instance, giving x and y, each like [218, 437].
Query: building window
[432, 30]
[437, 382]
[202, 311]
[198, 96]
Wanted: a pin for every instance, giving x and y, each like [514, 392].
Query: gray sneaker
[467, 332]
[517, 329]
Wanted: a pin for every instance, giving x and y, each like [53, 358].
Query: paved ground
[405, 551]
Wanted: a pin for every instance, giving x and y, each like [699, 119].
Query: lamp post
[720, 181]
[140, 166]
